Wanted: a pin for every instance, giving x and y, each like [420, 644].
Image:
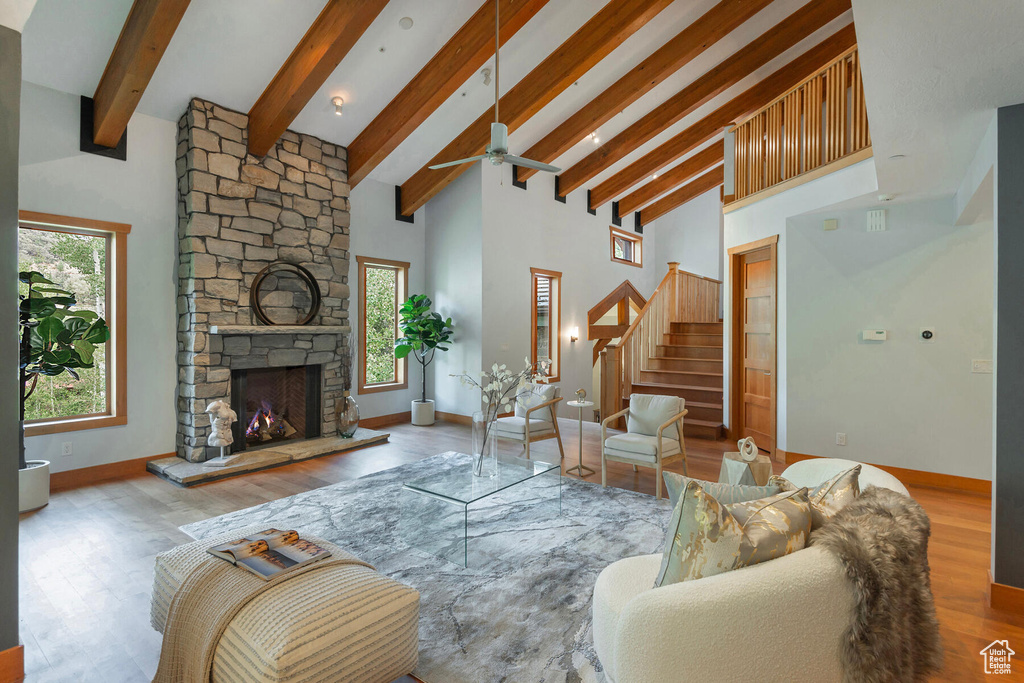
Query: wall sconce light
[574, 334]
[337, 102]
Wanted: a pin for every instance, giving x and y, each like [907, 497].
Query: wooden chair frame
[676, 419]
[528, 439]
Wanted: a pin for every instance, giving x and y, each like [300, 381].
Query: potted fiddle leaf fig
[55, 338]
[424, 332]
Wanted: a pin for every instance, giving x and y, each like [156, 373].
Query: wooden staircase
[689, 365]
[674, 347]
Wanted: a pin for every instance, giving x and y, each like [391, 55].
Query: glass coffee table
[465, 519]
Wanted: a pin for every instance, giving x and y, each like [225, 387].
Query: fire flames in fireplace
[267, 425]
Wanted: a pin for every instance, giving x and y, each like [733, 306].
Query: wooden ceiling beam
[706, 182]
[728, 73]
[145, 36]
[456, 62]
[707, 30]
[605, 31]
[314, 59]
[737, 108]
[674, 177]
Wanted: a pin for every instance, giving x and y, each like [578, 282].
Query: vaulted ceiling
[655, 80]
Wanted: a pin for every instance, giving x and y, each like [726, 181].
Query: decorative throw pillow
[721, 491]
[829, 497]
[534, 395]
[706, 537]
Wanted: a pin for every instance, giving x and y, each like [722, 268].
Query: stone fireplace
[236, 215]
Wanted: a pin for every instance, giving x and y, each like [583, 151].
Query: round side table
[580, 467]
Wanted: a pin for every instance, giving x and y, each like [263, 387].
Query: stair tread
[686, 372]
[701, 404]
[702, 423]
[689, 346]
[702, 360]
[662, 385]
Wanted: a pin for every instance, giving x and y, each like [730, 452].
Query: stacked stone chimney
[236, 214]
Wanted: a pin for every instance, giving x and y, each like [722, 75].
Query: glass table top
[458, 484]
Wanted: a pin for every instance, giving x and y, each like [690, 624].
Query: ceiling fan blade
[530, 163]
[460, 161]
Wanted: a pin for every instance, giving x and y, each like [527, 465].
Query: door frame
[736, 339]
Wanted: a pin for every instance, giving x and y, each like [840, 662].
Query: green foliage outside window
[380, 302]
[76, 263]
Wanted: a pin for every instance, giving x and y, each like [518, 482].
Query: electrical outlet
[981, 367]
[840, 438]
[65, 448]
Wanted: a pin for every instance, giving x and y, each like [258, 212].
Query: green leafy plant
[54, 337]
[423, 333]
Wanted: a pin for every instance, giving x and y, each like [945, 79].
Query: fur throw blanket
[882, 541]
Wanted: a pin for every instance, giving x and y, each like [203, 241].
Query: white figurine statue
[221, 419]
[748, 449]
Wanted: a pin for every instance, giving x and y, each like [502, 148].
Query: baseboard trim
[453, 417]
[1005, 598]
[386, 420]
[73, 479]
[12, 665]
[918, 477]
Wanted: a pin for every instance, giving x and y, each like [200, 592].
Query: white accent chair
[535, 418]
[645, 441]
[697, 630]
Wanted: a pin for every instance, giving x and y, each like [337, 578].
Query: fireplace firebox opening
[275, 405]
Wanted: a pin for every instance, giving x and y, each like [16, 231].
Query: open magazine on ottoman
[270, 552]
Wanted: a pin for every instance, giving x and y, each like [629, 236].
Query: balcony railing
[806, 132]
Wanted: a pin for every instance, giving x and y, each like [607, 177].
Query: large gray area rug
[521, 615]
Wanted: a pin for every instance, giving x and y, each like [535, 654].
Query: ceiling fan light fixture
[337, 102]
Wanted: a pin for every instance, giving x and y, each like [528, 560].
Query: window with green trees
[382, 288]
[79, 264]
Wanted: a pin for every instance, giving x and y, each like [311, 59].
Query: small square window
[626, 248]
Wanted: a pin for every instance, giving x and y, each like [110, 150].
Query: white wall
[769, 217]
[692, 235]
[901, 402]
[454, 278]
[57, 178]
[376, 233]
[526, 229]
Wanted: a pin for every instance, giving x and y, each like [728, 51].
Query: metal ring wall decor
[302, 273]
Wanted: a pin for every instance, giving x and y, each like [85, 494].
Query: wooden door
[753, 348]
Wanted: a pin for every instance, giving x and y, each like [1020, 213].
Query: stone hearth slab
[183, 473]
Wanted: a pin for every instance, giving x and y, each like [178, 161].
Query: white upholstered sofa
[781, 620]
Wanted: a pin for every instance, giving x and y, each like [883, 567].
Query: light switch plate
[981, 367]
[873, 335]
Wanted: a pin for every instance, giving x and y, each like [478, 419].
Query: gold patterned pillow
[829, 497]
[706, 537]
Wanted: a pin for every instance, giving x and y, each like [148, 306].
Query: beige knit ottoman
[343, 624]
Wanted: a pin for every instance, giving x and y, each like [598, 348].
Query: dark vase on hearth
[346, 414]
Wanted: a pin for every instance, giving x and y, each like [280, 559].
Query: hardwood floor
[86, 560]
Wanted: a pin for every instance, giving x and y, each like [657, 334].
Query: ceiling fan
[497, 151]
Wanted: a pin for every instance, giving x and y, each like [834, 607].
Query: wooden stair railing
[820, 122]
[622, 298]
[680, 297]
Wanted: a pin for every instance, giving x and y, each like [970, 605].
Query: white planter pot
[423, 413]
[34, 485]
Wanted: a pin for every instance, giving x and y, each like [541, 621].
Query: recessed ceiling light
[593, 136]
[337, 102]
[405, 23]
[654, 176]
